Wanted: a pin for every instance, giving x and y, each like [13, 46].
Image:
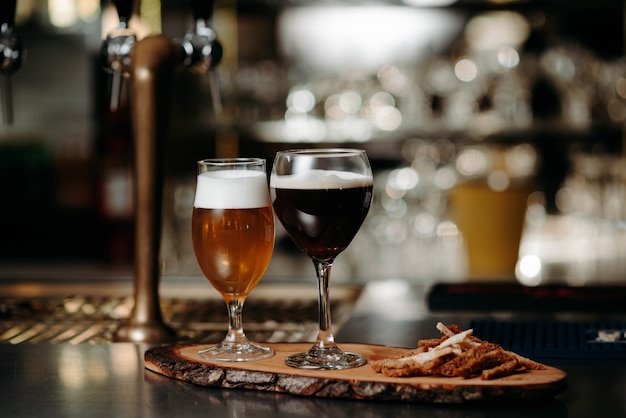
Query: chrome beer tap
[202, 50]
[11, 55]
[151, 64]
[115, 51]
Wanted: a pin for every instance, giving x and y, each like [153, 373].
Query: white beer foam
[320, 179]
[232, 189]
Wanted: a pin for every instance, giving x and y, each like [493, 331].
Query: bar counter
[109, 380]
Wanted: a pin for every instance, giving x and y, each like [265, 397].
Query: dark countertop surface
[94, 380]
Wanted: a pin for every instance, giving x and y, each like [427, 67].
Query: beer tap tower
[11, 54]
[148, 65]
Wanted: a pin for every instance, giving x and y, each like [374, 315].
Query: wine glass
[321, 197]
[233, 239]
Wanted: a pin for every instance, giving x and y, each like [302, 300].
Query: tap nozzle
[202, 50]
[11, 55]
[115, 52]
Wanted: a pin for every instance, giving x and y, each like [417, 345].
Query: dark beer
[322, 222]
[321, 197]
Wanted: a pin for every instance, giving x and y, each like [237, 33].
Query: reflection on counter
[109, 380]
[36, 313]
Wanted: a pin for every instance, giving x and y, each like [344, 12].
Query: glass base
[236, 352]
[345, 360]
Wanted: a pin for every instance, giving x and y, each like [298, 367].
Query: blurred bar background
[501, 97]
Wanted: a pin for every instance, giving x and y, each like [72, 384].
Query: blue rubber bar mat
[556, 339]
[489, 297]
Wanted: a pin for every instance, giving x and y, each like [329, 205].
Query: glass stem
[235, 336]
[325, 339]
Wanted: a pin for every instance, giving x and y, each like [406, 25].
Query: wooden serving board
[184, 363]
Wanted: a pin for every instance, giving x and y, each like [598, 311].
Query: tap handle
[115, 51]
[202, 9]
[124, 11]
[202, 50]
[10, 42]
[10, 56]
[7, 12]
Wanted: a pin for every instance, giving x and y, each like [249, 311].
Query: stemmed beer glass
[233, 239]
[321, 197]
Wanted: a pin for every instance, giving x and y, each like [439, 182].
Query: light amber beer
[233, 229]
[492, 223]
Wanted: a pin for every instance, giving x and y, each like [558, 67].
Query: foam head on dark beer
[320, 179]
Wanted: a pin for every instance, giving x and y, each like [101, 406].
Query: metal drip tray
[273, 314]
